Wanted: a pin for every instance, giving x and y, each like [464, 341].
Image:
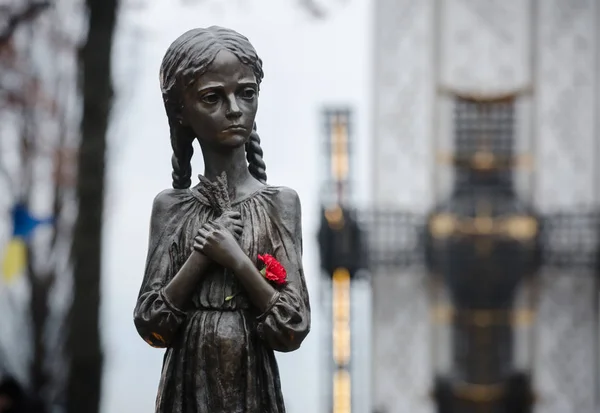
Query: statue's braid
[183, 150]
[254, 155]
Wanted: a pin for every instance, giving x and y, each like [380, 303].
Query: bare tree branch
[30, 12]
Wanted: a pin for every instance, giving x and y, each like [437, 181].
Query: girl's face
[221, 104]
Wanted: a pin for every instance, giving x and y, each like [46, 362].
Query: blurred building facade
[543, 55]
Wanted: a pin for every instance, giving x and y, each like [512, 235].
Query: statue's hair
[189, 56]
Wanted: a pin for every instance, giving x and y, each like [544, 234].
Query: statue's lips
[235, 128]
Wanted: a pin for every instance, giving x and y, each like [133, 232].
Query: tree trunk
[83, 344]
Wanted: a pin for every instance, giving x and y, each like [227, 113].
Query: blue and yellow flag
[15, 254]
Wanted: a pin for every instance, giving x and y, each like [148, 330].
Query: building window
[484, 142]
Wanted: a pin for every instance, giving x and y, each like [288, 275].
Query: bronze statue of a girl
[224, 286]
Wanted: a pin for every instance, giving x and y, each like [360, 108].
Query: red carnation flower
[273, 269]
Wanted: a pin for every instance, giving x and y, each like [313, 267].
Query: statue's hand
[218, 243]
[232, 221]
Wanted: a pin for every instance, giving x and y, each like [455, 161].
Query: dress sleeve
[286, 322]
[156, 318]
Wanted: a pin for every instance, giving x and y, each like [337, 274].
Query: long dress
[219, 351]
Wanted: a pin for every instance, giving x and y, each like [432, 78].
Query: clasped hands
[218, 240]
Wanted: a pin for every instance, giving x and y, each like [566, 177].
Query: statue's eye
[210, 98]
[248, 93]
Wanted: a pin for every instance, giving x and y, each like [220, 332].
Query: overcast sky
[308, 64]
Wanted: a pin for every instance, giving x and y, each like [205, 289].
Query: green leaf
[229, 297]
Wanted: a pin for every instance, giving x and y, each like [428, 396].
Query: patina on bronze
[203, 297]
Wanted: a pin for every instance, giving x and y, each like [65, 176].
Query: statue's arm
[286, 320]
[180, 289]
[166, 290]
